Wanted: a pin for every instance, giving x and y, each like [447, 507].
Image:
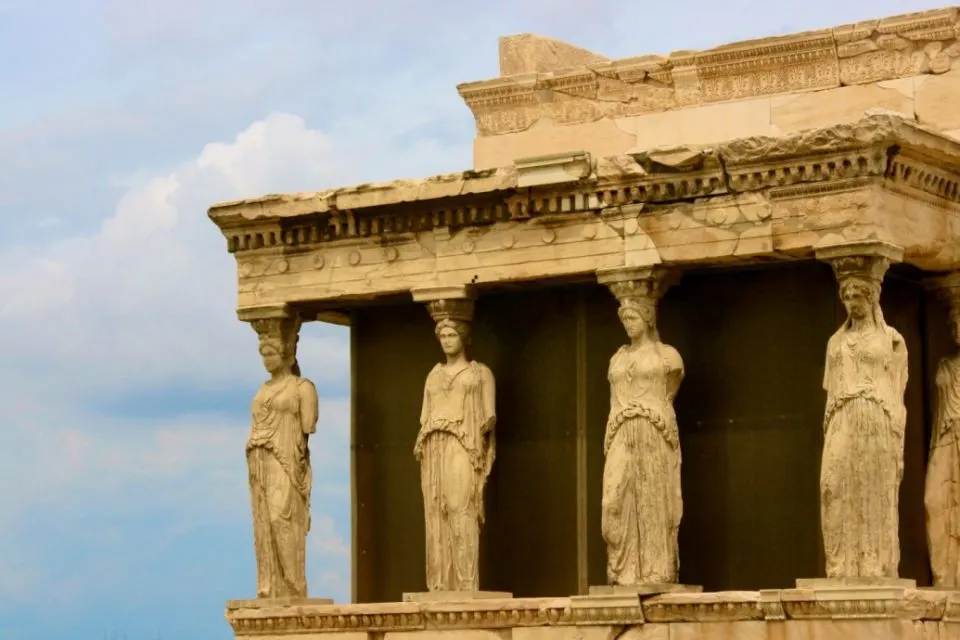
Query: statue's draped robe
[455, 458]
[280, 482]
[641, 502]
[943, 478]
[864, 377]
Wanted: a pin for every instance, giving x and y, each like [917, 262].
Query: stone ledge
[746, 201]
[257, 618]
[665, 175]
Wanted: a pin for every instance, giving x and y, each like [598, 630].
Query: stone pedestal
[455, 596]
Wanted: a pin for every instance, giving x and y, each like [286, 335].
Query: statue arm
[615, 406]
[489, 391]
[425, 407]
[942, 385]
[309, 406]
[900, 365]
[828, 372]
[675, 371]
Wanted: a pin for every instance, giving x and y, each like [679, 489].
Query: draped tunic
[281, 479]
[456, 449]
[864, 422]
[641, 504]
[942, 496]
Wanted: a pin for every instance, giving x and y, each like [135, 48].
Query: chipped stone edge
[879, 131]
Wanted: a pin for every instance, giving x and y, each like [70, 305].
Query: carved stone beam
[454, 302]
[865, 259]
[649, 283]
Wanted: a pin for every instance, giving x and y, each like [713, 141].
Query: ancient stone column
[284, 414]
[865, 377]
[641, 505]
[942, 495]
[455, 446]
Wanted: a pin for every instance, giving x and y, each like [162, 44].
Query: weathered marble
[455, 447]
[284, 414]
[942, 495]
[641, 505]
[865, 378]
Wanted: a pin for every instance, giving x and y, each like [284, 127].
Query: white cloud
[149, 298]
[146, 303]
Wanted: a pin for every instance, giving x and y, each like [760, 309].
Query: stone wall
[553, 97]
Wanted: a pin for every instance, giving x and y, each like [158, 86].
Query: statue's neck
[458, 359]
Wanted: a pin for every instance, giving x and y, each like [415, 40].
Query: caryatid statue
[641, 504]
[942, 496]
[455, 448]
[865, 378]
[285, 411]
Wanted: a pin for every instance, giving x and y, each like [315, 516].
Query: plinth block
[264, 603]
[455, 596]
[819, 584]
[647, 589]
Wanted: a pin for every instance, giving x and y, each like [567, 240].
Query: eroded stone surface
[771, 86]
[641, 504]
[568, 85]
[455, 447]
[865, 378]
[942, 494]
[284, 414]
[531, 53]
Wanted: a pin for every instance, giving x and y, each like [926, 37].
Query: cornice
[904, 156]
[256, 618]
[862, 53]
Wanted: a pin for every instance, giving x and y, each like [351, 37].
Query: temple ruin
[716, 299]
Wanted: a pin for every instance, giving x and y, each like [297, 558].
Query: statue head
[861, 279]
[639, 317]
[860, 297]
[638, 306]
[453, 317]
[278, 344]
[454, 336]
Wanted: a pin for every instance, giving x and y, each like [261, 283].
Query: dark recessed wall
[750, 412]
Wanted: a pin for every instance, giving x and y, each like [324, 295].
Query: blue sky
[125, 380]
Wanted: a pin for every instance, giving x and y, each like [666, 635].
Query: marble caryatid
[865, 378]
[455, 448]
[942, 495]
[641, 502]
[285, 411]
